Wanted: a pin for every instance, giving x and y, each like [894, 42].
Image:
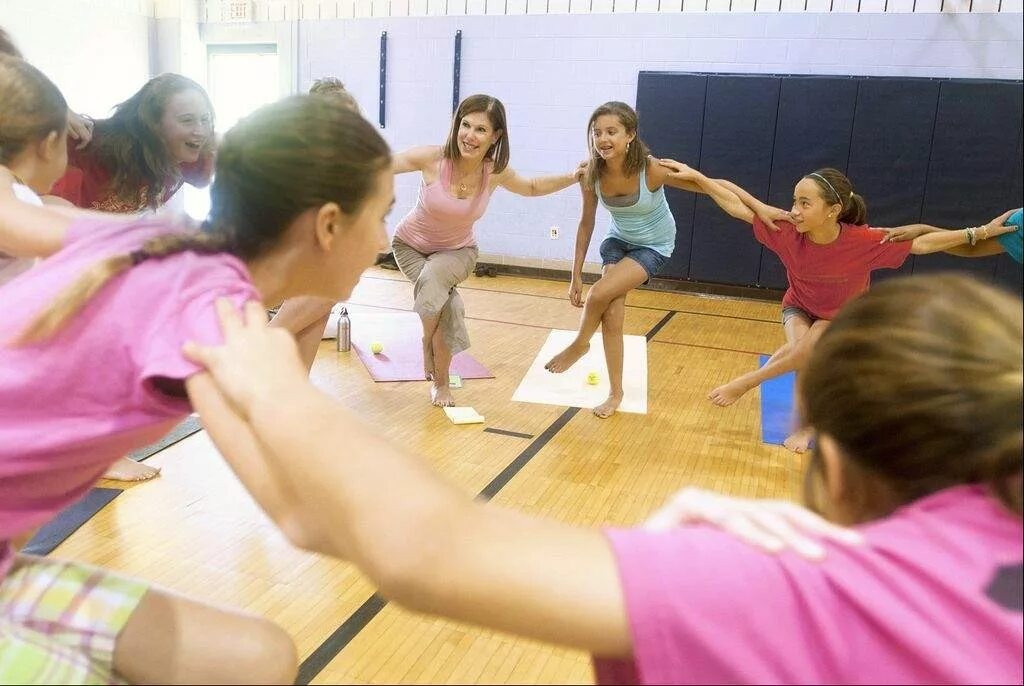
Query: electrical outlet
[553, 233]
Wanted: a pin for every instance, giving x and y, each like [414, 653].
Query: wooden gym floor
[196, 531]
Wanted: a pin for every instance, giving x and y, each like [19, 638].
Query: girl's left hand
[998, 226]
[771, 525]
[255, 362]
[683, 171]
[80, 128]
[581, 170]
[769, 215]
[902, 233]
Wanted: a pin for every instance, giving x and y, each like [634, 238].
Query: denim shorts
[613, 250]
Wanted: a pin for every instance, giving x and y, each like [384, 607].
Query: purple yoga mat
[402, 357]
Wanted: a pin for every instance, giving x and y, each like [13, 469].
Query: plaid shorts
[59, 621]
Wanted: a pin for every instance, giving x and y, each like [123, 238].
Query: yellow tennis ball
[593, 378]
[376, 348]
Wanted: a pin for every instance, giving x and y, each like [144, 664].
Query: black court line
[659, 326]
[351, 627]
[336, 642]
[505, 432]
[498, 482]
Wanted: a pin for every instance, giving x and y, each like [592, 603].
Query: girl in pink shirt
[915, 393]
[157, 140]
[829, 252]
[91, 367]
[434, 244]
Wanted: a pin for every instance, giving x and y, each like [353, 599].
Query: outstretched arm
[965, 242]
[538, 185]
[427, 545]
[679, 178]
[725, 198]
[415, 159]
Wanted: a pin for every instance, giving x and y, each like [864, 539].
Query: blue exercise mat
[776, 407]
[67, 522]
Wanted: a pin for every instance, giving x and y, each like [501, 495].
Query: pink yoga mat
[402, 357]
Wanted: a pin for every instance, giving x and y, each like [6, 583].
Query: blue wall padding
[814, 127]
[671, 109]
[976, 132]
[892, 134]
[940, 151]
[776, 406]
[739, 134]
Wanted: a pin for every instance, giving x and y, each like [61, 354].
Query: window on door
[241, 78]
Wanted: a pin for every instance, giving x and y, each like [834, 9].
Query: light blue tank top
[648, 223]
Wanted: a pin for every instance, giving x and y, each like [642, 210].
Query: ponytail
[836, 189]
[70, 300]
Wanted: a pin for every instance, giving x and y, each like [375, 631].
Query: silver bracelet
[972, 237]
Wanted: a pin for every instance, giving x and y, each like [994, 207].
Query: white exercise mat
[571, 388]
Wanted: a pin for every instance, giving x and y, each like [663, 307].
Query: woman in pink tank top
[434, 244]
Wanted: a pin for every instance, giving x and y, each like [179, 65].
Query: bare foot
[727, 394]
[567, 358]
[428, 360]
[130, 470]
[441, 396]
[799, 441]
[608, 407]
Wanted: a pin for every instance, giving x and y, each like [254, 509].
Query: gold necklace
[463, 186]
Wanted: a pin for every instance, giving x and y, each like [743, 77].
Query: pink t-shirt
[441, 221]
[933, 597]
[822, 278]
[72, 405]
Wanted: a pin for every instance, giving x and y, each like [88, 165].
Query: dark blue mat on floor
[776, 407]
[68, 520]
[183, 430]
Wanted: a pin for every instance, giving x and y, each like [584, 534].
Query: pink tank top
[440, 221]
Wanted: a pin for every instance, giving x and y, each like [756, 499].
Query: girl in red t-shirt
[829, 252]
[158, 139]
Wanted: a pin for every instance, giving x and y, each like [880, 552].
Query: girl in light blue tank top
[639, 242]
[646, 222]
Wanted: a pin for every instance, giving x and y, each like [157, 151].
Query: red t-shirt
[86, 182]
[822, 278]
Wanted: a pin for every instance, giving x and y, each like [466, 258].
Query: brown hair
[31, 107]
[130, 146]
[334, 88]
[499, 151]
[636, 154]
[282, 160]
[7, 46]
[919, 382]
[836, 189]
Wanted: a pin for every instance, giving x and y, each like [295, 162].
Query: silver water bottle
[344, 332]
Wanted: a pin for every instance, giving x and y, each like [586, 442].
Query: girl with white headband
[829, 252]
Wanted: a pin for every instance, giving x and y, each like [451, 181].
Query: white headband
[831, 187]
